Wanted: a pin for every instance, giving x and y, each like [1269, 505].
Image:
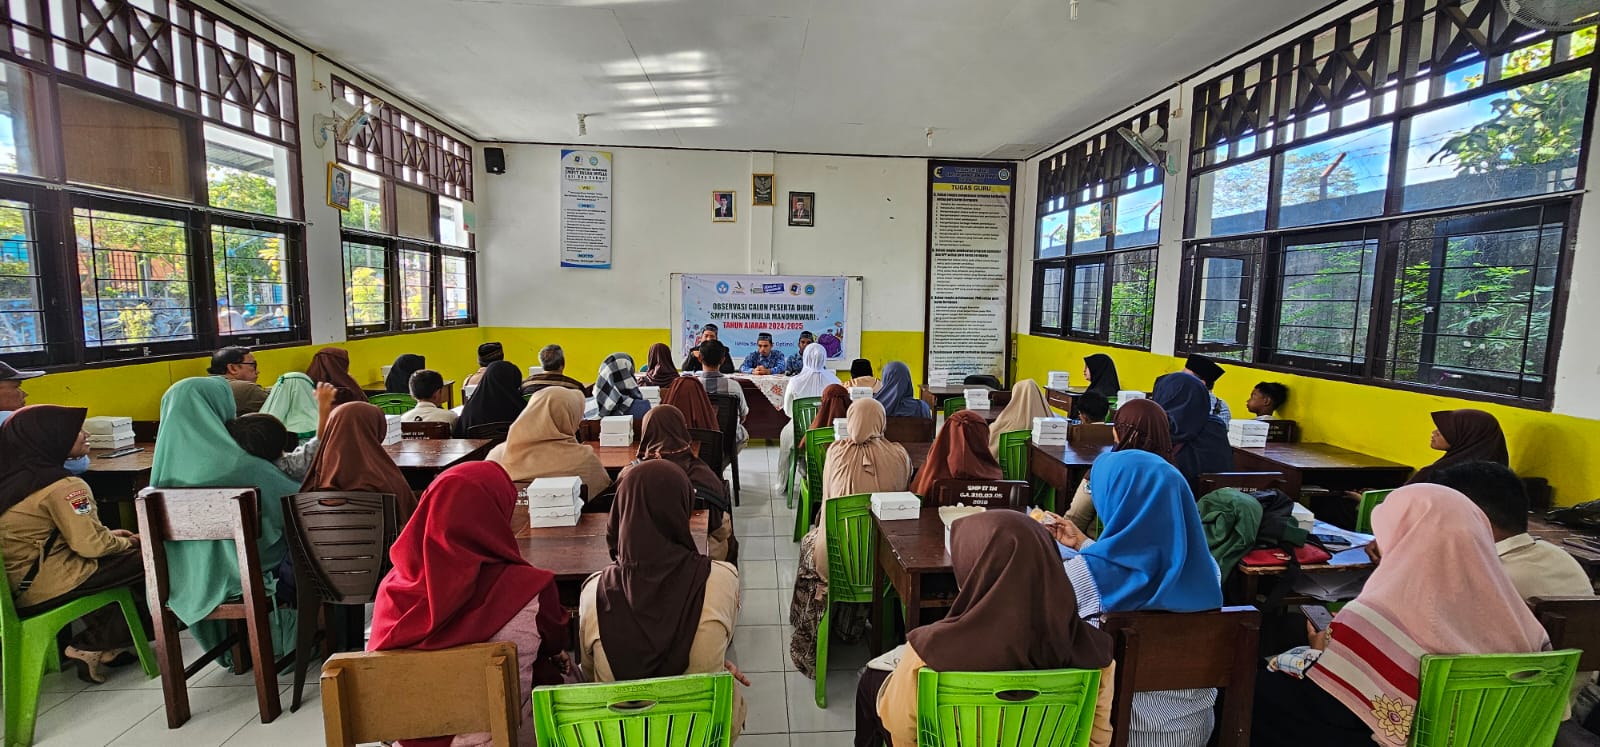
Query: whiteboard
[852, 313]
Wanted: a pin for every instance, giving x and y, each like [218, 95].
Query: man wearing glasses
[237, 366]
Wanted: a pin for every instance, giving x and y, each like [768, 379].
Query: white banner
[969, 253]
[744, 306]
[586, 209]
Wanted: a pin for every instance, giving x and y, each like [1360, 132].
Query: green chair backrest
[852, 540]
[1053, 708]
[817, 442]
[1467, 701]
[954, 405]
[10, 623]
[1369, 501]
[805, 411]
[394, 404]
[694, 710]
[1014, 455]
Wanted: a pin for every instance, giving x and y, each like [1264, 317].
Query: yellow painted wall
[1388, 423]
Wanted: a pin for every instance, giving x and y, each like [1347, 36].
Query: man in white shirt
[712, 356]
[427, 386]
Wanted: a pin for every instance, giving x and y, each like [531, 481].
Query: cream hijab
[865, 462]
[1027, 403]
[543, 441]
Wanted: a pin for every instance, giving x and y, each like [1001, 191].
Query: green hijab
[293, 401]
[194, 450]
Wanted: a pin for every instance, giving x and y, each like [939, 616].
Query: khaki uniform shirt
[248, 396]
[68, 505]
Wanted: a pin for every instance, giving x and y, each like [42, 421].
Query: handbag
[1278, 556]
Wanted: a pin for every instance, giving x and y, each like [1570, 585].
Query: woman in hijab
[1101, 372]
[862, 462]
[896, 395]
[1152, 555]
[398, 380]
[1027, 402]
[664, 435]
[661, 609]
[462, 530]
[56, 550]
[861, 374]
[1140, 424]
[616, 392]
[351, 457]
[1199, 441]
[659, 368]
[1005, 569]
[689, 396]
[196, 451]
[332, 366]
[835, 404]
[959, 452]
[1440, 589]
[488, 353]
[1465, 436]
[810, 382]
[293, 402]
[497, 401]
[543, 441]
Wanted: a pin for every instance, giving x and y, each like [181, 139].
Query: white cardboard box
[107, 425]
[940, 376]
[554, 492]
[616, 439]
[569, 508]
[951, 514]
[652, 394]
[894, 506]
[840, 430]
[1303, 517]
[1128, 395]
[110, 442]
[1051, 426]
[860, 392]
[977, 399]
[1247, 442]
[617, 424]
[1059, 380]
[393, 434]
[1248, 427]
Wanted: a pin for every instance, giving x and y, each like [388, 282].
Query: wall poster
[586, 209]
[968, 327]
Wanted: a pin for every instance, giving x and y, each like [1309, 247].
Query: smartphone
[124, 451]
[1319, 616]
[1332, 540]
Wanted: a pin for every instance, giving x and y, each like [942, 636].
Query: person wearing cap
[796, 362]
[12, 398]
[765, 360]
[691, 362]
[488, 352]
[237, 366]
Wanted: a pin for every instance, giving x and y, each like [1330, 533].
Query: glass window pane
[1232, 200]
[1053, 237]
[21, 309]
[457, 303]
[1325, 299]
[1087, 229]
[416, 285]
[366, 203]
[453, 223]
[248, 175]
[1514, 143]
[1050, 297]
[252, 274]
[1223, 305]
[133, 272]
[19, 151]
[98, 136]
[1088, 283]
[1138, 218]
[366, 285]
[1335, 180]
[1133, 298]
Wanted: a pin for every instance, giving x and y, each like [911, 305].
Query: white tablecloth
[772, 386]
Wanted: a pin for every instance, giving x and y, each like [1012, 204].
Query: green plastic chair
[694, 710]
[852, 540]
[805, 411]
[28, 650]
[394, 404]
[1014, 466]
[954, 405]
[1467, 701]
[1369, 501]
[1053, 708]
[817, 442]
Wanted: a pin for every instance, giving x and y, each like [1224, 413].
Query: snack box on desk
[564, 516]
[1128, 395]
[840, 432]
[1050, 431]
[111, 442]
[393, 434]
[108, 425]
[616, 439]
[895, 506]
[950, 514]
[1245, 427]
[860, 392]
[652, 394]
[554, 492]
[1247, 442]
[617, 424]
[1303, 517]
[977, 399]
[1059, 380]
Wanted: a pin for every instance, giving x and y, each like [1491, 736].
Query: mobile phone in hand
[1319, 616]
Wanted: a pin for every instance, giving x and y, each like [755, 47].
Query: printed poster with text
[969, 252]
[586, 209]
[744, 306]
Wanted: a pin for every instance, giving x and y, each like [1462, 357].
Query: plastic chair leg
[141, 642]
[822, 653]
[788, 479]
[802, 515]
[24, 675]
[305, 639]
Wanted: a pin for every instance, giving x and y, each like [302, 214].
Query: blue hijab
[896, 395]
[1152, 554]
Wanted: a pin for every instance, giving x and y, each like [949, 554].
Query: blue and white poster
[744, 306]
[969, 269]
[586, 209]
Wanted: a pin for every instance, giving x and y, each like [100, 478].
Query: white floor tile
[758, 574]
[752, 527]
[759, 607]
[756, 548]
[768, 710]
[805, 716]
[302, 727]
[822, 739]
[217, 713]
[94, 717]
[763, 740]
[760, 648]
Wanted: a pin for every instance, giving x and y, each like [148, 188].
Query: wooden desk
[421, 460]
[377, 387]
[918, 451]
[912, 559]
[614, 458]
[1062, 399]
[989, 415]
[118, 481]
[1062, 467]
[577, 552]
[1245, 581]
[1554, 533]
[1323, 465]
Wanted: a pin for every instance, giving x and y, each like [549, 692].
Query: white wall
[870, 220]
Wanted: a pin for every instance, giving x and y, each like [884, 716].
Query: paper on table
[888, 660]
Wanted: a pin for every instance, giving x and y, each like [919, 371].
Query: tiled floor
[782, 710]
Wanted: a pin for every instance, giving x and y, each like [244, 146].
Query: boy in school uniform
[428, 387]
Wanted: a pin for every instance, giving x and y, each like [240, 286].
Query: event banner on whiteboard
[969, 256]
[744, 306]
[586, 209]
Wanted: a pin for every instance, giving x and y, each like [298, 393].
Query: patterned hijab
[615, 390]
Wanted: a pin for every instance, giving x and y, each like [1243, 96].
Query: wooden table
[1244, 583]
[1062, 467]
[614, 458]
[422, 459]
[1062, 399]
[764, 421]
[377, 387]
[118, 481]
[577, 552]
[1322, 465]
[918, 451]
[1555, 534]
[911, 558]
[989, 415]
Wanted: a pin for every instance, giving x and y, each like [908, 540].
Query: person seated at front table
[616, 392]
[796, 363]
[56, 550]
[543, 442]
[237, 366]
[1438, 589]
[1266, 399]
[861, 374]
[691, 362]
[896, 395]
[661, 609]
[264, 436]
[1006, 580]
[427, 386]
[959, 452]
[712, 355]
[765, 360]
[1464, 436]
[553, 362]
[462, 532]
[1092, 408]
[13, 398]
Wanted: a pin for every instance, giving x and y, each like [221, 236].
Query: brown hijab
[1142, 424]
[835, 404]
[865, 462]
[1473, 435]
[689, 396]
[1009, 577]
[659, 369]
[1027, 402]
[664, 435]
[543, 442]
[35, 441]
[332, 366]
[650, 598]
[351, 457]
[961, 452]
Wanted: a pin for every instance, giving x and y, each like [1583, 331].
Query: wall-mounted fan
[1554, 15]
[1152, 144]
[346, 122]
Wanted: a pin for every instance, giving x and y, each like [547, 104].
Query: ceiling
[1001, 77]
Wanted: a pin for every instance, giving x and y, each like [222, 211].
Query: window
[248, 175]
[1324, 298]
[19, 150]
[453, 223]
[1231, 200]
[1053, 235]
[99, 133]
[251, 268]
[399, 147]
[134, 274]
[1087, 282]
[457, 279]
[21, 309]
[416, 286]
[1335, 180]
[366, 203]
[1133, 298]
[1222, 298]
[366, 286]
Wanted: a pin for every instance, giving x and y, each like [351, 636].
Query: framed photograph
[722, 210]
[802, 208]
[761, 190]
[338, 186]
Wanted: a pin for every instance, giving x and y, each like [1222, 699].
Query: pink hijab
[1439, 589]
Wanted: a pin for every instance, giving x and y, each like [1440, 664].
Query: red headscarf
[961, 452]
[689, 395]
[332, 366]
[835, 404]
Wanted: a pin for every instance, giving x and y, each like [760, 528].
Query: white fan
[1554, 15]
[1152, 144]
[346, 122]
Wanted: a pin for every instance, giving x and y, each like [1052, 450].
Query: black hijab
[1103, 376]
[399, 379]
[496, 400]
[36, 441]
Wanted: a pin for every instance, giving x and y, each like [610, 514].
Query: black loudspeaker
[494, 160]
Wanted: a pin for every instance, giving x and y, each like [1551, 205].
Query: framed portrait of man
[802, 208]
[722, 210]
